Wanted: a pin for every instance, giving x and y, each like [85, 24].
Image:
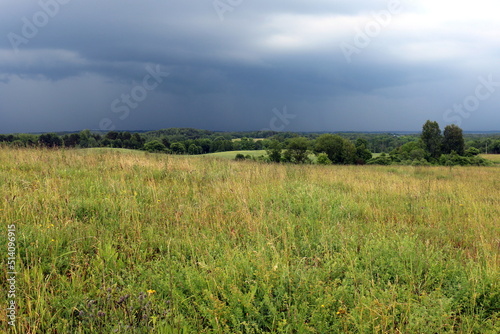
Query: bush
[381, 160]
[470, 152]
[323, 159]
[453, 159]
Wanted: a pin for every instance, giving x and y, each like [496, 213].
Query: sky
[235, 65]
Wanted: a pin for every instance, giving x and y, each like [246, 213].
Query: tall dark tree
[432, 139]
[71, 140]
[332, 145]
[112, 135]
[453, 140]
[338, 149]
[50, 140]
[362, 152]
[274, 151]
[297, 149]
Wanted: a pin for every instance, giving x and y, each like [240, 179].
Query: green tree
[274, 151]
[154, 146]
[453, 140]
[432, 139]
[348, 152]
[50, 140]
[297, 149]
[178, 148]
[332, 145]
[363, 154]
[338, 149]
[112, 135]
[194, 149]
[71, 140]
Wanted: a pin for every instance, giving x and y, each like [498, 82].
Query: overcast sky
[291, 65]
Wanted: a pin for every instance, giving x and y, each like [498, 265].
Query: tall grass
[127, 243]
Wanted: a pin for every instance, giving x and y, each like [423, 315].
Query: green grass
[151, 243]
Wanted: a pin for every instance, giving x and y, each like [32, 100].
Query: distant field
[111, 241]
[254, 139]
[109, 149]
[493, 157]
[232, 154]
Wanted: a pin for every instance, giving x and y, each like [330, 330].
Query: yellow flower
[52, 240]
[341, 311]
[150, 292]
[322, 305]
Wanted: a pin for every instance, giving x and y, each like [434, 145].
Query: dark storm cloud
[230, 74]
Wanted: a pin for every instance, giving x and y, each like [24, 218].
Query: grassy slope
[493, 157]
[245, 247]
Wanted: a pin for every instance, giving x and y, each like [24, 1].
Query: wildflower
[322, 305]
[341, 311]
[150, 292]
[52, 240]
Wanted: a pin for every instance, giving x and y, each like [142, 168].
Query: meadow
[117, 242]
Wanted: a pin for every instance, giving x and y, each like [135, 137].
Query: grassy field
[232, 154]
[493, 157]
[117, 242]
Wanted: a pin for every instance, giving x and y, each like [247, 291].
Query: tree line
[431, 146]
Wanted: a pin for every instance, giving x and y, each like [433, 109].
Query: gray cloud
[230, 74]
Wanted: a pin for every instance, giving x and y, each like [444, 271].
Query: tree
[431, 136]
[331, 145]
[363, 154]
[247, 144]
[297, 149]
[178, 148]
[194, 149]
[338, 149]
[50, 140]
[348, 152]
[71, 140]
[453, 140]
[154, 146]
[112, 135]
[274, 151]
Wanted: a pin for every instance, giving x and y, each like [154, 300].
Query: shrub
[323, 159]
